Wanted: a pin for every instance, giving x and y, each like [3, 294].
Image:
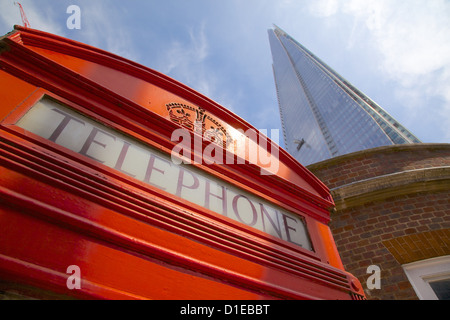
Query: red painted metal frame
[131, 240]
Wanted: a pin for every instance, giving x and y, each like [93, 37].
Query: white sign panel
[61, 125]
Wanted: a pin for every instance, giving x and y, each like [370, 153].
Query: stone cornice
[380, 150]
[391, 185]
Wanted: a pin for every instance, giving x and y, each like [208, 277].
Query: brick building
[393, 212]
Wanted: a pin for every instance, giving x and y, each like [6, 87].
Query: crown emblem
[197, 120]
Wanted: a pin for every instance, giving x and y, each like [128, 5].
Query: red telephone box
[117, 182]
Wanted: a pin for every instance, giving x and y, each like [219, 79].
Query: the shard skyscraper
[322, 115]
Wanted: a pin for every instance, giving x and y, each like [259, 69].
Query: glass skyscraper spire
[322, 114]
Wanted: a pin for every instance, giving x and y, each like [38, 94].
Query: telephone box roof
[154, 94]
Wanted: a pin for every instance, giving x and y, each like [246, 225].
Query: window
[441, 288]
[430, 278]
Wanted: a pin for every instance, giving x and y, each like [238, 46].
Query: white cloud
[413, 40]
[181, 55]
[103, 27]
[324, 8]
[413, 36]
[185, 60]
[189, 59]
[99, 23]
[39, 18]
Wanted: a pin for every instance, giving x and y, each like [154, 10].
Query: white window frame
[421, 273]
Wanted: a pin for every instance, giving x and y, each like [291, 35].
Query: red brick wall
[395, 230]
[361, 234]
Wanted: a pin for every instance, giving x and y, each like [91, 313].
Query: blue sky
[395, 51]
